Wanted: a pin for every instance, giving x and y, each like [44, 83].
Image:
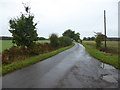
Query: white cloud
[84, 16]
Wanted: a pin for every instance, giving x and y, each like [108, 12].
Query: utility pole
[105, 26]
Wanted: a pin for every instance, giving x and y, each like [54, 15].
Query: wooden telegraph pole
[105, 29]
[105, 26]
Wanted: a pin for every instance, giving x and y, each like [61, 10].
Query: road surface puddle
[106, 66]
[109, 77]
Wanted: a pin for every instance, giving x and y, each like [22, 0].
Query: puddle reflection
[106, 66]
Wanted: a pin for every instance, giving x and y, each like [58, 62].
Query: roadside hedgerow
[13, 54]
[17, 53]
[54, 40]
[64, 41]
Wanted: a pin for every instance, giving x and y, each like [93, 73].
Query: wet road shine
[73, 68]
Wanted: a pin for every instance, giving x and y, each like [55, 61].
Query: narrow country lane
[73, 68]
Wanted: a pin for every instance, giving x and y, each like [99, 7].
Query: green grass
[108, 58]
[6, 44]
[43, 41]
[18, 65]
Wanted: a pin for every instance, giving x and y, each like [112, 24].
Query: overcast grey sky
[56, 16]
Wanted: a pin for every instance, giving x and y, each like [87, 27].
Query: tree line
[88, 38]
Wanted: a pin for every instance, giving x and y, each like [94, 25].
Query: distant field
[6, 44]
[43, 41]
[111, 45]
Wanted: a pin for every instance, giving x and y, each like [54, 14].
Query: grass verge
[19, 65]
[108, 58]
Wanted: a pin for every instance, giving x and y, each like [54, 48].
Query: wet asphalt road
[73, 68]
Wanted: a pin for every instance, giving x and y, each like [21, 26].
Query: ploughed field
[6, 44]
